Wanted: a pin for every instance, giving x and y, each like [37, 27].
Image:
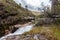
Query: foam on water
[21, 30]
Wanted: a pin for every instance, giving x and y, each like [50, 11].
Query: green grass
[56, 32]
[49, 31]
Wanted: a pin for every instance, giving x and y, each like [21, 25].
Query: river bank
[25, 28]
[37, 33]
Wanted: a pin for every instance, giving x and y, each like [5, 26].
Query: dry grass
[51, 32]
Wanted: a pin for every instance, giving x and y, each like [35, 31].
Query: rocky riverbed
[29, 37]
[27, 27]
[44, 34]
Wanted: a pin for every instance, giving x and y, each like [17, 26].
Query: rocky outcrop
[30, 37]
[45, 21]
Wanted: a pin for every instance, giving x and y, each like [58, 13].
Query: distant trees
[26, 6]
[55, 9]
[50, 15]
[46, 9]
[54, 6]
[20, 4]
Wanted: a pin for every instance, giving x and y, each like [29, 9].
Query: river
[19, 31]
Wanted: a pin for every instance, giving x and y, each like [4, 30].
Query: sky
[34, 3]
[37, 2]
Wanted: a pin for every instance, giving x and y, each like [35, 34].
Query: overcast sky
[35, 3]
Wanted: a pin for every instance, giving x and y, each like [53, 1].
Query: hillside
[36, 13]
[11, 13]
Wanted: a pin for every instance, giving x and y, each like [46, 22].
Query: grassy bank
[51, 31]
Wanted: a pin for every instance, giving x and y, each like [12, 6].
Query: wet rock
[29, 37]
[36, 37]
[15, 37]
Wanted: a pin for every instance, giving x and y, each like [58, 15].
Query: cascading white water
[19, 31]
[23, 29]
